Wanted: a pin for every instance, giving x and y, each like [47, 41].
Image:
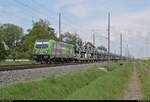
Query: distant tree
[40, 30]
[2, 51]
[103, 48]
[16, 53]
[1, 32]
[2, 48]
[11, 34]
[71, 38]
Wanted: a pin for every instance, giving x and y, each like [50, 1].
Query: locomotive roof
[42, 40]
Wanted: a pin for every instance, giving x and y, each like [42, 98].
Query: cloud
[80, 11]
[133, 25]
[77, 8]
[136, 23]
[67, 3]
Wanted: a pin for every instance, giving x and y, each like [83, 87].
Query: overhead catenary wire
[64, 21]
[38, 12]
[7, 15]
[35, 12]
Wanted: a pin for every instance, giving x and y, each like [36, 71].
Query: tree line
[15, 44]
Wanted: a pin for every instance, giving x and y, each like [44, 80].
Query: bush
[2, 52]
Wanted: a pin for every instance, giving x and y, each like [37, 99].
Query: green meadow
[144, 76]
[90, 83]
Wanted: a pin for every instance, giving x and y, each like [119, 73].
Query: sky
[129, 17]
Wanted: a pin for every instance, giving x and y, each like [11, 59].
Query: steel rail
[36, 66]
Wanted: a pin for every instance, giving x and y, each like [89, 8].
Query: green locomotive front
[52, 51]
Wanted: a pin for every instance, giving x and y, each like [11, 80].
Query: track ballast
[34, 66]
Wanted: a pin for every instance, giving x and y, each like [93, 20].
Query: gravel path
[7, 77]
[133, 91]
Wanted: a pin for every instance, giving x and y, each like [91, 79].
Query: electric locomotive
[47, 51]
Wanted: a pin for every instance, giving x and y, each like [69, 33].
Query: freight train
[48, 51]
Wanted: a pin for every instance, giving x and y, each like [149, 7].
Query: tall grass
[106, 87]
[56, 87]
[144, 75]
[90, 83]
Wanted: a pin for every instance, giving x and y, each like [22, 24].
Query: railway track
[33, 66]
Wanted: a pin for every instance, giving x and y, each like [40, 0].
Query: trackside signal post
[121, 46]
[58, 36]
[93, 34]
[108, 37]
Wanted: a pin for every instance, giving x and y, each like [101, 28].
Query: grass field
[106, 87]
[53, 87]
[144, 75]
[91, 83]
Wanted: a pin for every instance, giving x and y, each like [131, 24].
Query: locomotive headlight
[46, 52]
[36, 52]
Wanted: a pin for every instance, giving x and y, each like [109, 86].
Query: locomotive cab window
[42, 45]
